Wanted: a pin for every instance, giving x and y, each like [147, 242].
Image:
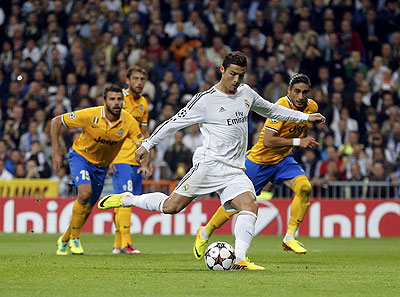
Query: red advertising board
[325, 218]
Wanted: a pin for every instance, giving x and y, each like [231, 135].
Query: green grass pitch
[332, 267]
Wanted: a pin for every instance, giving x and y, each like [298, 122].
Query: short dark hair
[236, 58]
[112, 88]
[135, 68]
[299, 78]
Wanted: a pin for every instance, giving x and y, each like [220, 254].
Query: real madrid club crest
[120, 132]
[247, 103]
[186, 187]
[141, 107]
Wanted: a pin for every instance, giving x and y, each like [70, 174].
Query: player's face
[232, 77]
[136, 82]
[113, 103]
[299, 95]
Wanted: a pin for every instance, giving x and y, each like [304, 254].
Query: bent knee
[306, 188]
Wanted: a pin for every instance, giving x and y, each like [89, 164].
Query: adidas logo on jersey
[222, 109]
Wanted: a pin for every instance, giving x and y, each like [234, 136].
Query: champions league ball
[219, 256]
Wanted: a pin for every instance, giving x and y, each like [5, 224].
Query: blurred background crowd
[57, 56]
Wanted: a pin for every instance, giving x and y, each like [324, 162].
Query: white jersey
[223, 122]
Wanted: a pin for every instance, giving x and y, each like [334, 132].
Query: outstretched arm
[281, 113]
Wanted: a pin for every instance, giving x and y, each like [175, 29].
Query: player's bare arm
[272, 139]
[148, 171]
[55, 132]
[140, 154]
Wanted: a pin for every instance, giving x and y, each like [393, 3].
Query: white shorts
[206, 178]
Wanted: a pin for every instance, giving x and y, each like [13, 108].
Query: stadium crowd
[57, 56]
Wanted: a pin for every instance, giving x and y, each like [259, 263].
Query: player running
[125, 171]
[271, 160]
[222, 113]
[104, 129]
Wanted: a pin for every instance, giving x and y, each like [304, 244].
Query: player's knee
[302, 187]
[251, 206]
[84, 195]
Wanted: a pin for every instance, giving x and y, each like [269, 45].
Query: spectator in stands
[3, 150]
[4, 173]
[32, 170]
[359, 157]
[178, 157]
[356, 176]
[32, 135]
[20, 171]
[39, 157]
[332, 155]
[309, 163]
[63, 180]
[276, 89]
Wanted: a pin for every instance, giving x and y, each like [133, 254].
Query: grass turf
[332, 267]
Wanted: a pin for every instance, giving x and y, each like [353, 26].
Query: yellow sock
[220, 217]
[117, 237]
[79, 214]
[300, 204]
[124, 218]
[67, 234]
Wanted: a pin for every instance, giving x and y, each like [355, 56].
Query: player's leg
[239, 194]
[244, 230]
[117, 237]
[178, 200]
[220, 217]
[81, 179]
[137, 189]
[301, 201]
[126, 178]
[259, 176]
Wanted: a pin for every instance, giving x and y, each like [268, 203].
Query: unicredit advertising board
[325, 218]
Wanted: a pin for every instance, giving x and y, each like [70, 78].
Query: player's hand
[146, 170]
[140, 154]
[316, 117]
[57, 161]
[308, 142]
[112, 169]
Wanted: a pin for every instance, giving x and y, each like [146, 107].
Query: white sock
[204, 235]
[150, 201]
[244, 232]
[288, 237]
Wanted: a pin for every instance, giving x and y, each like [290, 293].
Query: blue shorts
[126, 179]
[83, 172]
[260, 175]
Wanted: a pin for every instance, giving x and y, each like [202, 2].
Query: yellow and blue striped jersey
[140, 111]
[99, 141]
[273, 155]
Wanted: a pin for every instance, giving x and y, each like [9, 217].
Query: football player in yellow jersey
[125, 171]
[271, 160]
[104, 130]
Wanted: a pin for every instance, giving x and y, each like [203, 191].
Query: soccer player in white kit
[222, 115]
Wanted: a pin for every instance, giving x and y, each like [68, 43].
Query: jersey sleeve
[192, 113]
[273, 125]
[275, 111]
[135, 134]
[76, 119]
[145, 117]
